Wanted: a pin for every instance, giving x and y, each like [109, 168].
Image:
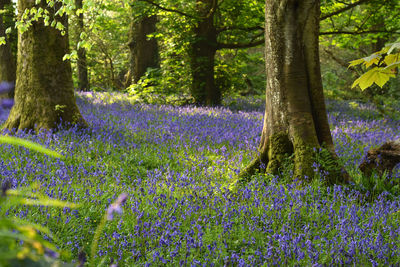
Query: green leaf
[376, 75]
[393, 47]
[30, 145]
[393, 66]
[372, 59]
[392, 58]
[356, 62]
[47, 202]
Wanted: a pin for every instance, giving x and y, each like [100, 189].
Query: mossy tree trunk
[7, 60]
[295, 120]
[202, 56]
[44, 96]
[144, 50]
[83, 80]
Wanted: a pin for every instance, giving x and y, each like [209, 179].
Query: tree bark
[83, 80]
[202, 55]
[382, 159]
[144, 51]
[44, 96]
[295, 120]
[7, 60]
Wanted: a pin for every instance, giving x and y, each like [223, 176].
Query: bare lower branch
[343, 9]
[237, 46]
[358, 32]
[168, 9]
[232, 28]
[341, 62]
[252, 43]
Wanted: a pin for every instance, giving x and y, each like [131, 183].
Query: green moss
[44, 80]
[303, 157]
[279, 149]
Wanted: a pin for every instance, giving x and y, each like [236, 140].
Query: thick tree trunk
[7, 61]
[202, 54]
[295, 121]
[44, 96]
[144, 51]
[83, 80]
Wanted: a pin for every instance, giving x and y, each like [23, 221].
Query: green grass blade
[30, 145]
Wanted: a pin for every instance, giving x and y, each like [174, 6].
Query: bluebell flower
[6, 87]
[116, 207]
[7, 103]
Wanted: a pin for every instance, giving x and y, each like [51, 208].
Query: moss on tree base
[44, 96]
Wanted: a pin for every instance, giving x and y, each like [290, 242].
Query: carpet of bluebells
[175, 163]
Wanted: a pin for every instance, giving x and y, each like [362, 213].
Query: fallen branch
[382, 159]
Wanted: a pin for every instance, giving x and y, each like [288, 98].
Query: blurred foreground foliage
[22, 243]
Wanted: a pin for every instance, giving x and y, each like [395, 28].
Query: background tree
[44, 95]
[144, 49]
[106, 27]
[295, 120]
[81, 63]
[213, 26]
[7, 59]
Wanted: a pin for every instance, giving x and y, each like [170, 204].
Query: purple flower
[116, 206]
[51, 253]
[6, 87]
[7, 103]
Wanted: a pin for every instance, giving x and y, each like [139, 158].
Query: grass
[175, 164]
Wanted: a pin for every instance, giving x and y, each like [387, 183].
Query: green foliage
[240, 72]
[385, 64]
[361, 27]
[149, 90]
[30, 145]
[106, 42]
[233, 69]
[374, 185]
[8, 14]
[12, 229]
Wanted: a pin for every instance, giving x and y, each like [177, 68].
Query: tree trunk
[83, 81]
[202, 54]
[295, 120]
[144, 51]
[44, 96]
[7, 61]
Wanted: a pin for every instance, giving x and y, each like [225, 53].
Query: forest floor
[176, 163]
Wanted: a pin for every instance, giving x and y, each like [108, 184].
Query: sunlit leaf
[392, 58]
[48, 202]
[28, 144]
[372, 59]
[393, 66]
[376, 75]
[393, 47]
[356, 62]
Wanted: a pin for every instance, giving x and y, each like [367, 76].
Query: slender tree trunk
[44, 96]
[7, 60]
[131, 45]
[202, 55]
[144, 50]
[295, 120]
[83, 81]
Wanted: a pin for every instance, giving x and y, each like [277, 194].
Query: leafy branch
[384, 63]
